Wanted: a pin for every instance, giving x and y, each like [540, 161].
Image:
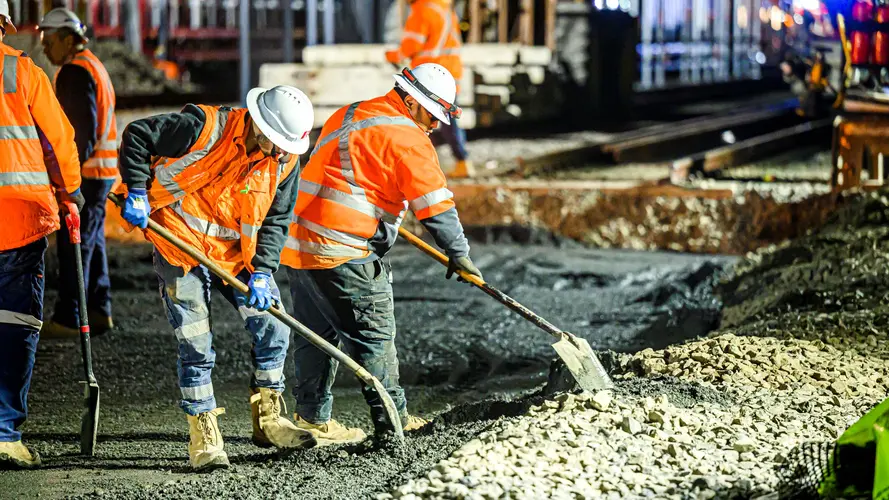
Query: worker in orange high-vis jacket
[432, 35]
[85, 92]
[223, 180]
[373, 160]
[38, 168]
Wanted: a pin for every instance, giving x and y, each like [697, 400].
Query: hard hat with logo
[63, 18]
[4, 15]
[433, 87]
[284, 114]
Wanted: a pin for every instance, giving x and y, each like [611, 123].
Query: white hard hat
[433, 87]
[284, 114]
[4, 14]
[63, 18]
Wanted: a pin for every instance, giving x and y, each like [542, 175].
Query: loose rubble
[791, 371]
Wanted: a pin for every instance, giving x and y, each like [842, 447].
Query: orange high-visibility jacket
[102, 164]
[432, 35]
[37, 152]
[371, 162]
[215, 197]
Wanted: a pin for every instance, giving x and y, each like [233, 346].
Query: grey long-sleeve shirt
[171, 135]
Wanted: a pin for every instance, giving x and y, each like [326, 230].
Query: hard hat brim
[427, 103]
[10, 28]
[296, 147]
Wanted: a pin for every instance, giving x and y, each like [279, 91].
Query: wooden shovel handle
[440, 257]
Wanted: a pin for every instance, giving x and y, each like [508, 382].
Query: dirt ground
[466, 362]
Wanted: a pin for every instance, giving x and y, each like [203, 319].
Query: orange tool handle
[440, 257]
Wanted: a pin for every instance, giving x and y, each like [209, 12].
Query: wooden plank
[550, 24]
[502, 21]
[475, 21]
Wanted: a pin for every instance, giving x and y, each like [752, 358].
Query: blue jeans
[95, 258]
[186, 297]
[351, 305]
[21, 316]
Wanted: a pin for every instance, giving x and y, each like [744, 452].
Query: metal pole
[244, 28]
[133, 28]
[288, 31]
[328, 22]
[311, 22]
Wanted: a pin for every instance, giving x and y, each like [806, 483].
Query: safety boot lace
[205, 426]
[277, 401]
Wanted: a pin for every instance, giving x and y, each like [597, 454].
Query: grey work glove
[76, 198]
[463, 264]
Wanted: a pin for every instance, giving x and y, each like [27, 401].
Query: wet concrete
[465, 361]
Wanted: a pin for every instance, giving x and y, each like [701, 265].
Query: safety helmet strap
[449, 107]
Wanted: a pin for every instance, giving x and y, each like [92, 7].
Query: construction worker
[38, 164]
[374, 160]
[432, 35]
[85, 92]
[224, 181]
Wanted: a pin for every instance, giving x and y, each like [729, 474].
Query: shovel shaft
[72, 222]
[499, 296]
[278, 313]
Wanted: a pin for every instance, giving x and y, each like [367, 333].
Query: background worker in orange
[85, 92]
[224, 181]
[432, 35]
[373, 160]
[38, 163]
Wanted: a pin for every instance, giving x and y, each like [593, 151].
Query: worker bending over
[224, 180]
[84, 90]
[38, 164]
[373, 160]
[432, 35]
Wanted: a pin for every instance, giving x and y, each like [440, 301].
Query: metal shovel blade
[391, 411]
[582, 362]
[89, 424]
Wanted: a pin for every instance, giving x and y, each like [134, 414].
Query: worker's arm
[416, 33]
[423, 184]
[169, 135]
[272, 235]
[56, 133]
[76, 91]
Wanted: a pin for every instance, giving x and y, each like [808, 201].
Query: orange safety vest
[215, 197]
[432, 35]
[102, 164]
[30, 116]
[371, 163]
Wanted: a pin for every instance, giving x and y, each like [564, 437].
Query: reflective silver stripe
[192, 330]
[447, 19]
[314, 248]
[205, 227]
[101, 162]
[17, 318]
[20, 132]
[333, 234]
[442, 52]
[10, 67]
[430, 199]
[362, 124]
[249, 312]
[24, 178]
[165, 174]
[273, 375]
[357, 203]
[197, 393]
[106, 82]
[106, 145]
[415, 36]
[249, 230]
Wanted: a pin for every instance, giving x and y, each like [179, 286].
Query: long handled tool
[89, 424]
[302, 330]
[574, 351]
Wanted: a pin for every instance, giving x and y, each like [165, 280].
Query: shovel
[89, 424]
[302, 330]
[579, 358]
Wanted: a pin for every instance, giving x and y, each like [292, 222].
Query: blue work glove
[261, 295]
[135, 210]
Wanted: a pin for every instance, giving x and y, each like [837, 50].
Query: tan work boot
[331, 432]
[14, 453]
[205, 444]
[270, 428]
[53, 330]
[463, 169]
[414, 422]
[99, 323]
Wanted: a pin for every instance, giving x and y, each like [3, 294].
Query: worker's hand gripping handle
[72, 221]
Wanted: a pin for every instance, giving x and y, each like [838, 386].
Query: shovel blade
[583, 364]
[391, 411]
[89, 424]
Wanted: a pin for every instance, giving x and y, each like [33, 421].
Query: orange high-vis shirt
[37, 151]
[431, 35]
